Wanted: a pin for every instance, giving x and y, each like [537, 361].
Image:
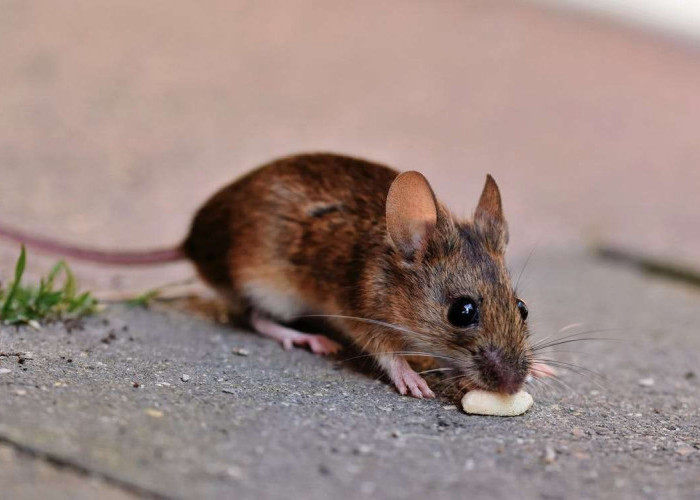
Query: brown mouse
[371, 250]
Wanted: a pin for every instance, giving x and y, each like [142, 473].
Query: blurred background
[118, 119]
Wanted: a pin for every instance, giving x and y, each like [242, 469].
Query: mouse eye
[463, 312]
[522, 307]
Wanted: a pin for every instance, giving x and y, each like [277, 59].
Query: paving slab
[276, 424]
[25, 477]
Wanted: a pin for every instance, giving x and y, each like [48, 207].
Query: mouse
[371, 251]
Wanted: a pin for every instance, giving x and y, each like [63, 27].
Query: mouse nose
[499, 371]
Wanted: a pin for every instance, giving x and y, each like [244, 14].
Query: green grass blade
[19, 271]
[144, 299]
[70, 287]
[31, 304]
[53, 274]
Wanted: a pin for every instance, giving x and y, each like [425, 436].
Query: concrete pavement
[278, 424]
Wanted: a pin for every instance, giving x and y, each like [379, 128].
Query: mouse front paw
[406, 381]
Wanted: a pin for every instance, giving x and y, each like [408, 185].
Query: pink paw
[290, 338]
[541, 370]
[319, 344]
[407, 381]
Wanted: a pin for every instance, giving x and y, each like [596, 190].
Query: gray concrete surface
[23, 477]
[279, 424]
[117, 119]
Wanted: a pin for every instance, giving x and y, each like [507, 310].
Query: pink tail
[136, 258]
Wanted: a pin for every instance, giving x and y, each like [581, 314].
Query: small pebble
[549, 455]
[684, 451]
[21, 392]
[185, 377]
[235, 472]
[136, 385]
[109, 337]
[240, 352]
[577, 432]
[228, 391]
[154, 413]
[4, 371]
[646, 382]
[363, 449]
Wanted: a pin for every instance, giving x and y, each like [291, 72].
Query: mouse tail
[123, 258]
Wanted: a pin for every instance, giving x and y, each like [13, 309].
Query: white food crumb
[491, 403]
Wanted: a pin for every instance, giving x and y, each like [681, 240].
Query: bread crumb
[491, 403]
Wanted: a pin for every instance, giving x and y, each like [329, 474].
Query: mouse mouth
[470, 381]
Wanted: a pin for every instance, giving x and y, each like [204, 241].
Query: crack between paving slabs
[66, 463]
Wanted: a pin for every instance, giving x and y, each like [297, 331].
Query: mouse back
[294, 233]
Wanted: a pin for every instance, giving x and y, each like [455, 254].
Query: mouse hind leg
[268, 301]
[288, 337]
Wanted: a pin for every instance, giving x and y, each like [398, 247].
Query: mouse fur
[315, 234]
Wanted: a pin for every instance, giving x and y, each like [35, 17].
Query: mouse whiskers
[386, 325]
[453, 381]
[527, 261]
[403, 353]
[435, 370]
[573, 337]
[538, 384]
[542, 350]
[594, 377]
[561, 330]
[364, 320]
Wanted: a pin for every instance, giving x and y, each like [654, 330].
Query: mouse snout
[500, 372]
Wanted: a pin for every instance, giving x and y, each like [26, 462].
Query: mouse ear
[489, 219]
[411, 212]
